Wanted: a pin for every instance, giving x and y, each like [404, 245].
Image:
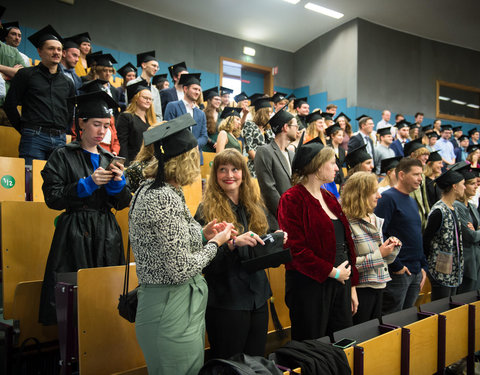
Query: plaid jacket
[372, 267]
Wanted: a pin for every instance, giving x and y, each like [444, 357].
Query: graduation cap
[105, 59]
[414, 126]
[262, 103]
[427, 127]
[135, 88]
[446, 127]
[457, 166]
[449, 178]
[360, 117]
[91, 58]
[314, 116]
[467, 172]
[279, 119]
[434, 156]
[472, 131]
[177, 68]
[384, 131]
[291, 96]
[41, 36]
[357, 156]
[93, 86]
[432, 135]
[144, 57]
[472, 148]
[240, 97]
[231, 111]
[299, 101]
[95, 104]
[127, 68]
[170, 139]
[462, 138]
[6, 27]
[402, 124]
[225, 91]
[210, 93]
[332, 129]
[81, 38]
[70, 43]
[389, 163]
[253, 98]
[278, 97]
[305, 153]
[457, 129]
[159, 78]
[341, 114]
[327, 116]
[412, 146]
[188, 79]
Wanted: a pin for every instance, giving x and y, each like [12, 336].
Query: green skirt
[170, 326]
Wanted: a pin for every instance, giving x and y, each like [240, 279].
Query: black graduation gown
[434, 194]
[86, 234]
[340, 161]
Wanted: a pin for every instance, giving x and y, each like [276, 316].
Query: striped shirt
[372, 267]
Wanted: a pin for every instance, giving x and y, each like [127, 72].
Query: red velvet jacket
[311, 236]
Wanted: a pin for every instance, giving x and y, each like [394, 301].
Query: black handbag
[272, 254]
[128, 301]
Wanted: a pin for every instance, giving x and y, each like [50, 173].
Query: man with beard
[42, 91]
[191, 92]
[70, 56]
[273, 163]
[303, 109]
[149, 65]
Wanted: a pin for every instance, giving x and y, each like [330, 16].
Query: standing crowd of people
[367, 216]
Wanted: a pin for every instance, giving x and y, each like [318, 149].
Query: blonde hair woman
[359, 199]
[170, 254]
[229, 130]
[135, 120]
[316, 127]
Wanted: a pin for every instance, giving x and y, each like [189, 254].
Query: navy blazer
[176, 109]
[396, 146]
[167, 96]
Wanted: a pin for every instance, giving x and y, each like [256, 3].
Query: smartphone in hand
[116, 159]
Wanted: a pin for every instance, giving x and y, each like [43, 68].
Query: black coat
[340, 161]
[87, 234]
[130, 129]
[230, 286]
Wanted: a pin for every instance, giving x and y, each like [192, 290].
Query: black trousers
[317, 309]
[369, 304]
[237, 331]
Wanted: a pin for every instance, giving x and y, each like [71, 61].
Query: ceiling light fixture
[473, 106]
[294, 2]
[458, 102]
[323, 10]
[443, 98]
[249, 51]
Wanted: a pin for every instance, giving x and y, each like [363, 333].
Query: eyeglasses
[147, 98]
